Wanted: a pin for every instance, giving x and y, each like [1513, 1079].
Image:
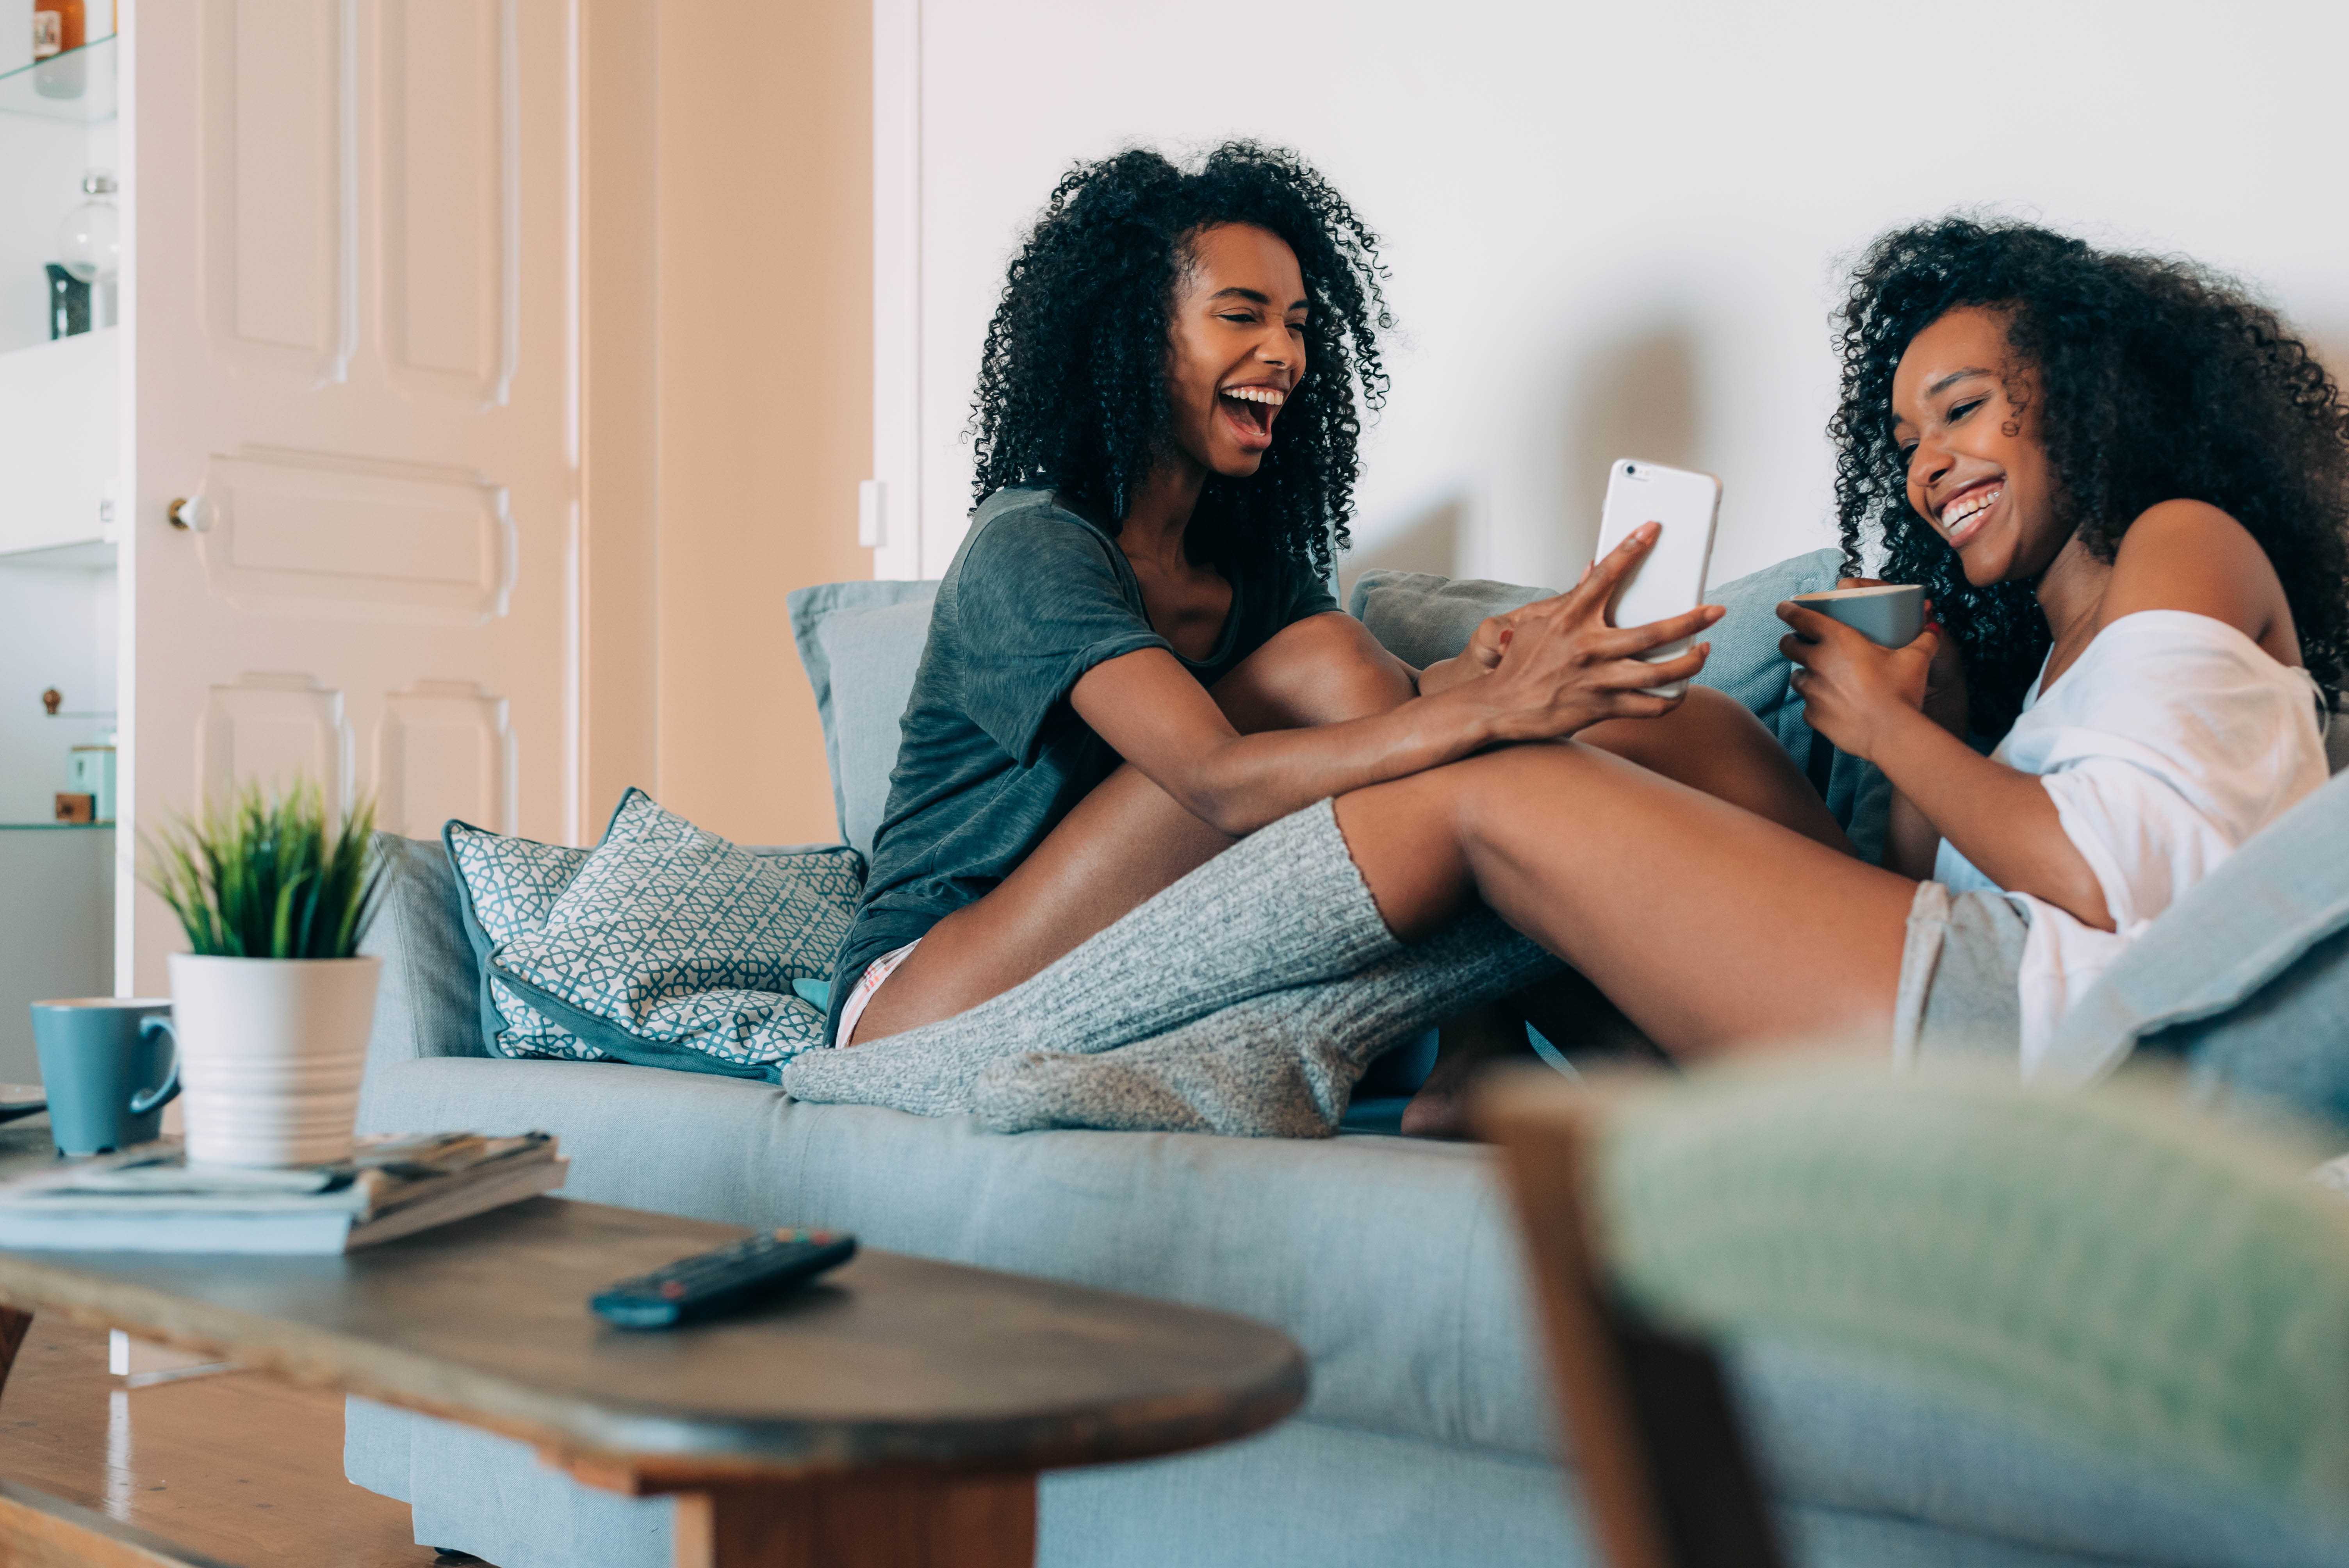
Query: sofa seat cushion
[1393, 1262]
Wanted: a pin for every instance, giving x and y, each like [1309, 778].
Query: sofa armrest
[430, 1002]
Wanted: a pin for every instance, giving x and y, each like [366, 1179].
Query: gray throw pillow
[2246, 978]
[672, 948]
[860, 643]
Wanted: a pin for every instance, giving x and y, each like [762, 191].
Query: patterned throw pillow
[672, 948]
[510, 887]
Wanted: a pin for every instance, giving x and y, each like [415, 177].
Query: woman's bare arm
[1564, 669]
[2000, 817]
[1870, 701]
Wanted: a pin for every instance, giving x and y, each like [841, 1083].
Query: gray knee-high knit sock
[1283, 907]
[1279, 1066]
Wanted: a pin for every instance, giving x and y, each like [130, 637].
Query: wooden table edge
[595, 1441]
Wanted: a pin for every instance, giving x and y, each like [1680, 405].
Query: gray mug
[1888, 615]
[106, 1070]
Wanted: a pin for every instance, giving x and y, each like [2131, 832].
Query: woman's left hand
[1850, 686]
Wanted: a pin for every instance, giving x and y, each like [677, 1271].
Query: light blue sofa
[1429, 1436]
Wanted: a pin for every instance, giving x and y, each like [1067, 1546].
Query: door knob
[192, 512]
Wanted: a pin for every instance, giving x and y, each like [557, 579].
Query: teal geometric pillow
[672, 948]
[509, 886]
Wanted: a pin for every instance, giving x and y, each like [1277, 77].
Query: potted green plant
[272, 1009]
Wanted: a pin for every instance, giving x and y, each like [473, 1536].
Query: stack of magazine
[151, 1200]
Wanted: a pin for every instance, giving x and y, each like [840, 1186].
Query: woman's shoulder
[2191, 557]
[1029, 526]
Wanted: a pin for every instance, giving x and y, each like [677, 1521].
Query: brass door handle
[192, 513]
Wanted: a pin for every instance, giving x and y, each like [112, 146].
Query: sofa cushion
[860, 643]
[428, 1000]
[1393, 1262]
[2246, 978]
[507, 886]
[1427, 1336]
[1421, 618]
[674, 948]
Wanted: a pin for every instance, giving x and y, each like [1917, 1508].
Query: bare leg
[1128, 838]
[1711, 743]
[1713, 927]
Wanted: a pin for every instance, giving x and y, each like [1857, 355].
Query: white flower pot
[271, 1052]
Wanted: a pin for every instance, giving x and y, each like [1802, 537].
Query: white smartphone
[1670, 581]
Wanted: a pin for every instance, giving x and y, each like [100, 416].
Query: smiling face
[1235, 345]
[1977, 468]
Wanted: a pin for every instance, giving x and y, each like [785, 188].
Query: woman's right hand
[1945, 684]
[1562, 668]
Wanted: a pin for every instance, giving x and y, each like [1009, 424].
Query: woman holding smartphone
[2124, 484]
[1133, 660]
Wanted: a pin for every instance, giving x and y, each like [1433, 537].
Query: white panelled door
[349, 321]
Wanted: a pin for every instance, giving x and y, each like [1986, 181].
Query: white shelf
[79, 84]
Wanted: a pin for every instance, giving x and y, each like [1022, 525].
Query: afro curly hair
[1072, 382]
[2160, 380]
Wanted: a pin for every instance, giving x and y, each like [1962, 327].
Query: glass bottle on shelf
[88, 248]
[59, 27]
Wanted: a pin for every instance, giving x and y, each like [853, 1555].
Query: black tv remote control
[714, 1284]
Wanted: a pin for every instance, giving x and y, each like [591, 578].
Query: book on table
[151, 1200]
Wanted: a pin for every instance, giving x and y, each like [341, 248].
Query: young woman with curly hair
[1133, 660]
[2126, 484]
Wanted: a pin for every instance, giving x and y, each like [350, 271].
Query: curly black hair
[2160, 380]
[1072, 384]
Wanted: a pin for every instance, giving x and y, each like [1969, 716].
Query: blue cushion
[860, 643]
[1422, 619]
[429, 1003]
[672, 948]
[2246, 978]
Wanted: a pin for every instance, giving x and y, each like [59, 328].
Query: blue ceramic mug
[107, 1068]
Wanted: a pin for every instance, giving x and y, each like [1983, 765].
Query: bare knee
[1706, 728]
[1324, 669]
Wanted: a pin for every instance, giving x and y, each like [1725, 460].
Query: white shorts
[880, 969]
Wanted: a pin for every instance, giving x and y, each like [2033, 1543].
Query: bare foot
[1464, 1047]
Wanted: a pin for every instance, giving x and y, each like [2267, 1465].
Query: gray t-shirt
[991, 756]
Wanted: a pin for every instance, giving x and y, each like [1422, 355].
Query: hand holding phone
[1562, 667]
[1670, 582]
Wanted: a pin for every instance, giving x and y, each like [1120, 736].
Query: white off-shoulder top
[2170, 742]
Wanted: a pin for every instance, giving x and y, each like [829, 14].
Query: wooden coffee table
[896, 1413]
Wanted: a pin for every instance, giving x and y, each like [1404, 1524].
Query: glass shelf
[78, 85]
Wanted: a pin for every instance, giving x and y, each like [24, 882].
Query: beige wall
[765, 389]
[736, 420]
[619, 567]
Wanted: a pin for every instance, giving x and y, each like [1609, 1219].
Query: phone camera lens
[1630, 468]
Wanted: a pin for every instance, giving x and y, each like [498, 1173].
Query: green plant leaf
[269, 875]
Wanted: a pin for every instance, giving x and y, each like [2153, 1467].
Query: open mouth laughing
[1965, 514]
[1249, 411]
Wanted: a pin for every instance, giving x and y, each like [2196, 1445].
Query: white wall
[1614, 228]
